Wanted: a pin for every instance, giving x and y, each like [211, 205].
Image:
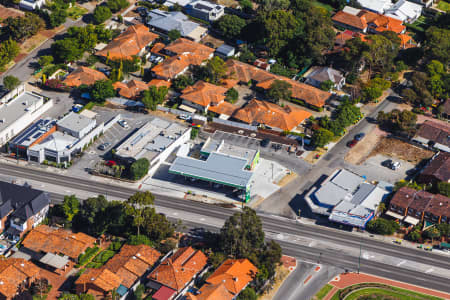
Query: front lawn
[323, 292]
[75, 12]
[323, 5]
[444, 5]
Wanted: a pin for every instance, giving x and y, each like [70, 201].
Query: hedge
[87, 255]
[103, 256]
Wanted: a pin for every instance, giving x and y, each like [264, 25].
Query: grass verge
[323, 292]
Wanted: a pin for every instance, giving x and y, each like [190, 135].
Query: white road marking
[401, 263]
[429, 270]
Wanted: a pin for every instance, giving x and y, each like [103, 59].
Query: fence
[235, 124]
[174, 111]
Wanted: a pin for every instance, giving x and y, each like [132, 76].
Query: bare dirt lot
[359, 153]
[401, 150]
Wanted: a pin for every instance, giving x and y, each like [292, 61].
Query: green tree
[157, 226]
[154, 96]
[92, 218]
[45, 60]
[101, 90]
[21, 28]
[444, 188]
[10, 82]
[247, 56]
[380, 54]
[8, 51]
[444, 229]
[57, 17]
[71, 207]
[232, 95]
[174, 34]
[270, 5]
[353, 56]
[431, 233]
[326, 85]
[374, 88]
[215, 69]
[66, 50]
[116, 5]
[247, 294]
[437, 44]
[398, 121]
[86, 36]
[137, 206]
[279, 90]
[280, 27]
[182, 81]
[382, 226]
[414, 236]
[281, 70]
[230, 26]
[101, 14]
[321, 137]
[409, 95]
[139, 168]
[246, 6]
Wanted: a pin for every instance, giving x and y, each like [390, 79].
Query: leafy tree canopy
[279, 90]
[139, 168]
[174, 34]
[10, 82]
[101, 14]
[101, 90]
[230, 26]
[154, 96]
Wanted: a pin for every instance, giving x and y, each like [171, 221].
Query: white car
[185, 117]
[123, 123]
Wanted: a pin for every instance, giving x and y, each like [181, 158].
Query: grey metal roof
[34, 132]
[322, 74]
[347, 180]
[75, 122]
[362, 193]
[225, 49]
[13, 110]
[217, 168]
[331, 194]
[166, 21]
[55, 261]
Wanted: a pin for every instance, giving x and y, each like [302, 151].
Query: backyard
[444, 6]
[75, 12]
[379, 292]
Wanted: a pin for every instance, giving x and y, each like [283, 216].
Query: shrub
[87, 255]
[139, 168]
[232, 95]
[382, 226]
[139, 240]
[103, 256]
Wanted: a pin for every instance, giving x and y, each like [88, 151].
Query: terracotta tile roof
[244, 73]
[224, 108]
[384, 23]
[235, 274]
[204, 94]
[132, 89]
[84, 75]
[156, 49]
[129, 43]
[436, 132]
[182, 45]
[212, 292]
[164, 293]
[46, 239]
[176, 271]
[102, 278]
[438, 168]
[13, 272]
[159, 83]
[229, 83]
[263, 112]
[355, 21]
[132, 262]
[175, 65]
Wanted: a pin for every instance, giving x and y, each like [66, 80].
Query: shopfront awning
[411, 220]
[187, 108]
[394, 215]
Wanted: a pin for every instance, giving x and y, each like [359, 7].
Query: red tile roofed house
[179, 271]
[437, 170]
[156, 49]
[225, 109]
[128, 44]
[272, 115]
[128, 267]
[203, 95]
[16, 274]
[84, 75]
[47, 240]
[159, 83]
[211, 292]
[383, 23]
[406, 41]
[434, 133]
[415, 206]
[244, 73]
[182, 46]
[446, 109]
[132, 89]
[351, 18]
[98, 282]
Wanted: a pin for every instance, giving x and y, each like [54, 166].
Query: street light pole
[359, 258]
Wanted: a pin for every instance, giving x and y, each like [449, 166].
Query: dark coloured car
[352, 143]
[104, 146]
[265, 142]
[360, 136]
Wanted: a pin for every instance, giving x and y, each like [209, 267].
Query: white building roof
[75, 122]
[378, 6]
[14, 109]
[404, 10]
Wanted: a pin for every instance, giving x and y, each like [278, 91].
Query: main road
[271, 225]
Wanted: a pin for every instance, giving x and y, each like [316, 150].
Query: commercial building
[411, 206]
[18, 109]
[176, 274]
[21, 209]
[434, 134]
[164, 21]
[221, 163]
[205, 10]
[74, 132]
[347, 198]
[155, 141]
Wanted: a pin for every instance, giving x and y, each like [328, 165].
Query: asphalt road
[273, 225]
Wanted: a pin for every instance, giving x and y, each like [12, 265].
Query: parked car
[156, 59]
[360, 136]
[123, 123]
[265, 142]
[110, 163]
[393, 165]
[184, 117]
[104, 146]
[352, 143]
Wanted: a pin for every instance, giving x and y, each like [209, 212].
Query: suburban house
[412, 207]
[225, 51]
[132, 89]
[321, 74]
[21, 209]
[202, 95]
[404, 10]
[271, 115]
[205, 10]
[174, 275]
[122, 273]
[245, 73]
[437, 170]
[184, 53]
[131, 42]
[83, 75]
[426, 3]
[55, 248]
[446, 109]
[164, 21]
[230, 278]
[31, 4]
[347, 198]
[159, 83]
[360, 20]
[377, 6]
[16, 275]
[434, 134]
